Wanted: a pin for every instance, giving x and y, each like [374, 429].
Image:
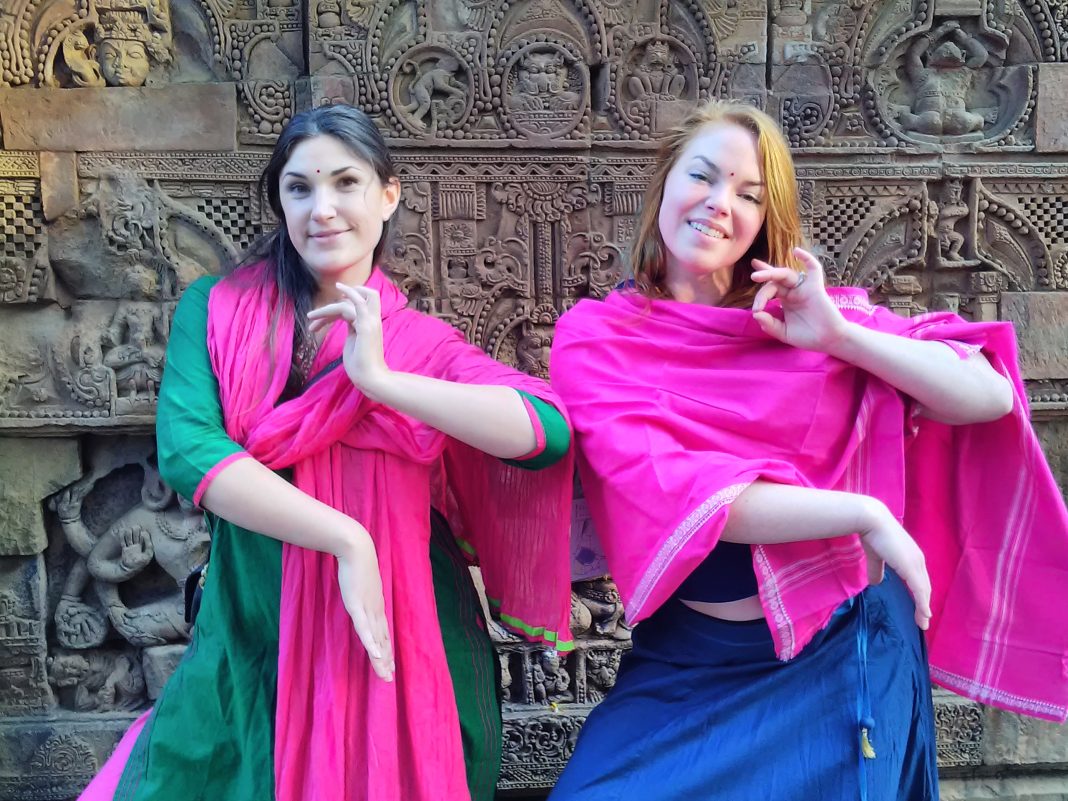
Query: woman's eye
[751, 198]
[296, 189]
[700, 176]
[349, 181]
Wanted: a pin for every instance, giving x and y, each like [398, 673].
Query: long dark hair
[356, 131]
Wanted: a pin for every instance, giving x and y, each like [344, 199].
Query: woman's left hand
[810, 319]
[364, 358]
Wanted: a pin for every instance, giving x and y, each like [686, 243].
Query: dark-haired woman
[318, 421]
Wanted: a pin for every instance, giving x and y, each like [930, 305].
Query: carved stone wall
[932, 144]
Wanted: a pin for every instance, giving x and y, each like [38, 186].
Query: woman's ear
[391, 193]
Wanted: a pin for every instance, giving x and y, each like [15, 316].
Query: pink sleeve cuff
[539, 432]
[211, 474]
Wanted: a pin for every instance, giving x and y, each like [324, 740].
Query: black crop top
[726, 574]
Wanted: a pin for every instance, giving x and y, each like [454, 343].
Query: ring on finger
[801, 276]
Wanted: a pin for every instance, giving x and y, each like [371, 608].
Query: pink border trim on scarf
[682, 534]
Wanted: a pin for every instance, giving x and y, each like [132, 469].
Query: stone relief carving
[110, 580]
[97, 680]
[498, 238]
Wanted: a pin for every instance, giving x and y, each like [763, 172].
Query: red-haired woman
[742, 434]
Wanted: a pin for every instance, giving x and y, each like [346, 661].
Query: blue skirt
[704, 711]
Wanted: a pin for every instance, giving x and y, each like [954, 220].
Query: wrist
[843, 341]
[870, 512]
[378, 386]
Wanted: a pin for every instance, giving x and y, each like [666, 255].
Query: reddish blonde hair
[781, 231]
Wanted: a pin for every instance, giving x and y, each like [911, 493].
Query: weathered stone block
[1017, 740]
[158, 664]
[1041, 320]
[1051, 134]
[1016, 788]
[59, 184]
[1053, 435]
[193, 117]
[30, 471]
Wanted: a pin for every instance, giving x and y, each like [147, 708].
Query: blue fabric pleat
[704, 711]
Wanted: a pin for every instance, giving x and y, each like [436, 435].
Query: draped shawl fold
[678, 407]
[340, 731]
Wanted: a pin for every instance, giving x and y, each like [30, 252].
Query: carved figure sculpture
[173, 534]
[137, 351]
[657, 75]
[950, 212]
[551, 679]
[601, 670]
[601, 598]
[942, 82]
[541, 83]
[100, 681]
[436, 85]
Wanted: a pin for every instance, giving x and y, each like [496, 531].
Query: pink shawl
[340, 731]
[678, 407]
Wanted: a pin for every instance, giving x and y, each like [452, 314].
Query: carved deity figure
[541, 83]
[657, 75]
[940, 66]
[436, 87]
[952, 210]
[602, 668]
[162, 530]
[551, 679]
[136, 351]
[99, 681]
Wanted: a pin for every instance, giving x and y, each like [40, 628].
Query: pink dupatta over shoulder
[678, 407]
[342, 733]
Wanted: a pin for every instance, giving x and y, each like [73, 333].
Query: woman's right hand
[886, 542]
[361, 590]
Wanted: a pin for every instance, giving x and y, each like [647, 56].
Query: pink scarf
[678, 407]
[340, 731]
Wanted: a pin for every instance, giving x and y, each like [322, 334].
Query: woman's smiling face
[335, 208]
[714, 203]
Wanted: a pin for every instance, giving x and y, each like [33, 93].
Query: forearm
[490, 418]
[767, 513]
[251, 496]
[948, 388]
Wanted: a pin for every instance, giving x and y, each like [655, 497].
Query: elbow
[999, 400]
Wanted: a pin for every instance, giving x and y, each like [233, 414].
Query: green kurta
[211, 734]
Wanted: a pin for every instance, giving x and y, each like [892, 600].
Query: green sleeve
[557, 435]
[190, 435]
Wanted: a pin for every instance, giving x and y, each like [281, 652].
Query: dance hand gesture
[810, 319]
[361, 592]
[887, 543]
[361, 308]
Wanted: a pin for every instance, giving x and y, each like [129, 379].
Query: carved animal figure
[436, 84]
[101, 681]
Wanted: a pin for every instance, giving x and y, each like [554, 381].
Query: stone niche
[931, 140]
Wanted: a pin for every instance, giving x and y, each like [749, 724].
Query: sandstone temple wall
[932, 144]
